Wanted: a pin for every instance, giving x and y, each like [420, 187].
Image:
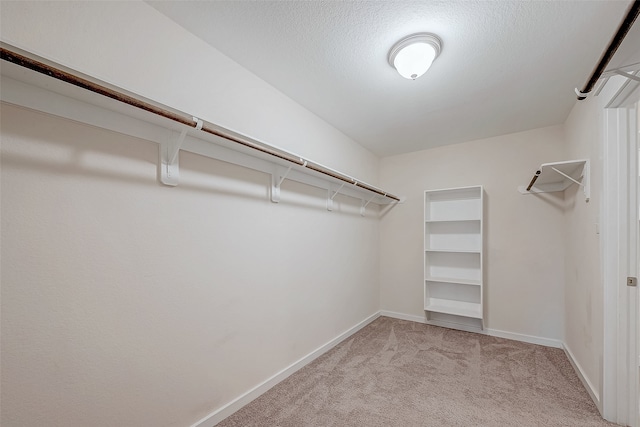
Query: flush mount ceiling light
[412, 56]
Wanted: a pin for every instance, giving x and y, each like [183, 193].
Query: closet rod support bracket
[627, 75]
[364, 205]
[169, 159]
[330, 196]
[277, 178]
[568, 177]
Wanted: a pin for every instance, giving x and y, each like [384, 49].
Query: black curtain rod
[624, 28]
[534, 179]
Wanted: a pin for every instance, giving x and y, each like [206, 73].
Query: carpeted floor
[399, 373]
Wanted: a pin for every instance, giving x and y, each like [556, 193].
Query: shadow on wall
[572, 195]
[555, 200]
[98, 154]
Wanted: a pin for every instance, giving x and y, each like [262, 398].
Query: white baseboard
[233, 406]
[402, 316]
[595, 396]
[423, 319]
[547, 342]
[531, 339]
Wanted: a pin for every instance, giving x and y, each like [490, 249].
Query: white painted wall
[128, 303]
[586, 328]
[524, 237]
[133, 46]
[584, 294]
[543, 254]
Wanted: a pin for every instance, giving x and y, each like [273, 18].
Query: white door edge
[619, 242]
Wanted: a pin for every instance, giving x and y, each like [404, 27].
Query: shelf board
[456, 193]
[455, 251]
[451, 280]
[457, 308]
[429, 221]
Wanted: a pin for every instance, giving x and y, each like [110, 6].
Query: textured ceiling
[505, 66]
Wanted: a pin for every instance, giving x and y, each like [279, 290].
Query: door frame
[620, 260]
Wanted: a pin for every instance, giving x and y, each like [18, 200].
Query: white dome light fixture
[412, 56]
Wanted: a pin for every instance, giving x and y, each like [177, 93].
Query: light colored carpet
[399, 373]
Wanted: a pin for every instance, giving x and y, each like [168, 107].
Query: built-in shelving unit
[558, 176]
[453, 244]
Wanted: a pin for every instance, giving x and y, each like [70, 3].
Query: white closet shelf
[453, 242]
[558, 176]
[455, 251]
[470, 282]
[457, 308]
[33, 82]
[436, 221]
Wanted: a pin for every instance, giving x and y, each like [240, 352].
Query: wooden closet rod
[68, 77]
[625, 26]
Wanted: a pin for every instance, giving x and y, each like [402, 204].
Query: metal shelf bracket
[330, 196]
[276, 180]
[364, 205]
[169, 159]
[558, 176]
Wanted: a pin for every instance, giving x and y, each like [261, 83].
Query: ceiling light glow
[413, 55]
